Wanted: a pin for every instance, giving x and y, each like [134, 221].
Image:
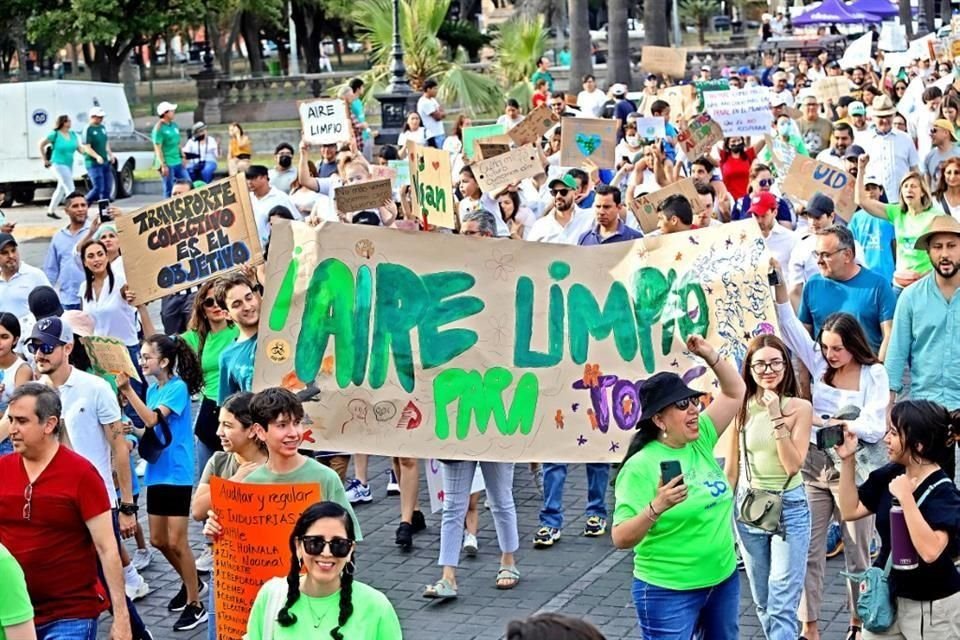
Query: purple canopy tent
[882, 8]
[833, 12]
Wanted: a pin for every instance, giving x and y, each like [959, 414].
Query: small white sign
[325, 121]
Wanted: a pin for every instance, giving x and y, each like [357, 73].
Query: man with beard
[840, 141]
[566, 222]
[242, 303]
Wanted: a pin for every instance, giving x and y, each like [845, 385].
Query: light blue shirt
[61, 266]
[175, 466]
[926, 337]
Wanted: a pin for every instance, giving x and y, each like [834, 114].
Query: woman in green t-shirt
[910, 218]
[63, 143]
[681, 531]
[320, 597]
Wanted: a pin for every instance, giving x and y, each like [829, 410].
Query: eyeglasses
[42, 347]
[559, 192]
[210, 303]
[765, 182]
[28, 496]
[144, 358]
[761, 367]
[339, 547]
[825, 254]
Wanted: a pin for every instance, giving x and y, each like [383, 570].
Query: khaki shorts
[936, 620]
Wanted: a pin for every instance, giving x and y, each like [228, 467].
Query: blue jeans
[101, 177]
[176, 172]
[68, 629]
[776, 566]
[202, 171]
[554, 477]
[710, 613]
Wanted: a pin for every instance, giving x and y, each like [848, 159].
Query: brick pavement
[579, 576]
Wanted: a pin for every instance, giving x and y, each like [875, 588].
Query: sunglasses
[685, 404]
[765, 182]
[339, 547]
[210, 303]
[42, 347]
[559, 192]
[28, 497]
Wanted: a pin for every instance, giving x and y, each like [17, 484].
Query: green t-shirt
[210, 359]
[311, 472]
[691, 545]
[95, 136]
[907, 227]
[15, 607]
[542, 75]
[373, 616]
[222, 464]
[167, 135]
[63, 148]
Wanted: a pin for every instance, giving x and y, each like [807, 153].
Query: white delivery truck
[31, 110]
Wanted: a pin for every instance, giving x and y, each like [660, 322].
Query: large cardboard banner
[432, 193]
[670, 61]
[741, 112]
[588, 139]
[179, 243]
[449, 347]
[325, 121]
[257, 520]
[807, 176]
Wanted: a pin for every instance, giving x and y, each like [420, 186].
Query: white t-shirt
[262, 207]
[112, 316]
[15, 291]
[425, 107]
[591, 102]
[510, 124]
[418, 136]
[547, 229]
[780, 243]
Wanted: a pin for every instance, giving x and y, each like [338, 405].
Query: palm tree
[519, 43]
[425, 56]
[581, 53]
[698, 12]
[618, 53]
[655, 27]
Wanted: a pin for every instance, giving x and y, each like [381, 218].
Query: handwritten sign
[831, 88]
[645, 207]
[489, 148]
[430, 175]
[110, 355]
[472, 134]
[509, 168]
[257, 520]
[363, 195]
[807, 176]
[741, 112]
[180, 242]
[781, 155]
[701, 134]
[682, 100]
[709, 86]
[440, 346]
[651, 128]
[325, 121]
[532, 127]
[383, 172]
[588, 139]
[670, 61]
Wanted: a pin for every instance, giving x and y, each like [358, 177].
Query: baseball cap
[845, 101]
[44, 302]
[818, 205]
[51, 331]
[198, 126]
[780, 75]
[705, 67]
[778, 99]
[165, 106]
[81, 323]
[5, 239]
[618, 89]
[854, 151]
[744, 71]
[872, 178]
[97, 112]
[857, 108]
[946, 125]
[567, 181]
[763, 203]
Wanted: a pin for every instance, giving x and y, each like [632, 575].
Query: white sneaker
[138, 589]
[393, 487]
[205, 561]
[141, 468]
[358, 492]
[470, 544]
[142, 558]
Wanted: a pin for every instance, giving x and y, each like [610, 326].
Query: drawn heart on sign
[435, 165]
[588, 143]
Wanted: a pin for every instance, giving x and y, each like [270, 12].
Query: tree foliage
[519, 43]
[698, 13]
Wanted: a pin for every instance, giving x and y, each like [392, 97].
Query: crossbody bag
[760, 508]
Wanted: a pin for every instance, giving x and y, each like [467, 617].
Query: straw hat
[940, 224]
[882, 106]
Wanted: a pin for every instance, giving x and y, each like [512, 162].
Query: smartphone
[829, 437]
[773, 278]
[670, 469]
[104, 206]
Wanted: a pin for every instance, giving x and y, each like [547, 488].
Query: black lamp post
[922, 19]
[399, 97]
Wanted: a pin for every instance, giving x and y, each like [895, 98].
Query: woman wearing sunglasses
[761, 179]
[773, 434]
[685, 566]
[209, 332]
[320, 598]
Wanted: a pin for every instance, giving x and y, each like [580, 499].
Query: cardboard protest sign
[509, 168]
[110, 355]
[858, 52]
[402, 167]
[363, 195]
[709, 86]
[488, 148]
[257, 520]
[670, 61]
[325, 121]
[593, 139]
[807, 176]
[432, 193]
[701, 134]
[781, 156]
[645, 207]
[382, 172]
[741, 112]
[831, 88]
[533, 126]
[440, 346]
[681, 98]
[180, 242]
[471, 134]
[651, 128]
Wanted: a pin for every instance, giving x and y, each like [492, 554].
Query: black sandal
[853, 632]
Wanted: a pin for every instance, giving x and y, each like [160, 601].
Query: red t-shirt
[539, 99]
[54, 546]
[736, 171]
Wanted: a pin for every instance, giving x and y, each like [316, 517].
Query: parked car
[634, 31]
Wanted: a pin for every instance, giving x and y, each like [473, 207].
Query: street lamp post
[399, 98]
[922, 18]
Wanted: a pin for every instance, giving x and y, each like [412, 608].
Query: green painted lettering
[328, 311]
[587, 320]
[439, 347]
[480, 397]
[400, 302]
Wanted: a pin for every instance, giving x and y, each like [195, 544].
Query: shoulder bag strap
[746, 461]
[886, 569]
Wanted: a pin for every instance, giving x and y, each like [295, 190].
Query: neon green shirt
[167, 135]
[15, 607]
[210, 359]
[691, 545]
[373, 616]
[907, 227]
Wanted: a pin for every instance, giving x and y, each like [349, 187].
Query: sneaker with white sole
[545, 537]
[141, 469]
[138, 589]
[205, 561]
[470, 544]
[358, 492]
[142, 558]
[595, 527]
[393, 487]
[193, 615]
[179, 601]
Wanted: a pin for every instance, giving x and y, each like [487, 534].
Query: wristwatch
[128, 509]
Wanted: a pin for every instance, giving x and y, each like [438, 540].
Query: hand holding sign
[325, 121]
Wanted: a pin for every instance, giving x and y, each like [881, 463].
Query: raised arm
[732, 389]
[874, 207]
[849, 500]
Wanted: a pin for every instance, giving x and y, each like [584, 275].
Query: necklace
[316, 621]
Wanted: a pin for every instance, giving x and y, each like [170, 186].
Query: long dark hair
[61, 120]
[788, 387]
[515, 199]
[10, 322]
[928, 430]
[88, 275]
[853, 338]
[552, 626]
[198, 317]
[315, 512]
[183, 361]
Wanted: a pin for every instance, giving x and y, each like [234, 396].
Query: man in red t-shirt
[55, 520]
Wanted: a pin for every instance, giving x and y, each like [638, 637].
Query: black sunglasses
[210, 303]
[559, 192]
[684, 404]
[339, 547]
[42, 347]
[765, 182]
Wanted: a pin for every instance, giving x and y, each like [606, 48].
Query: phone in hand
[104, 206]
[670, 469]
[773, 278]
[829, 437]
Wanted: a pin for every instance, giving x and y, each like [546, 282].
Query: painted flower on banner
[501, 264]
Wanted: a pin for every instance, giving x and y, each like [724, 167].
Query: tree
[519, 43]
[655, 26]
[906, 17]
[581, 49]
[698, 13]
[618, 45]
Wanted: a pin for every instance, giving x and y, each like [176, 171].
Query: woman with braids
[169, 477]
[685, 566]
[319, 597]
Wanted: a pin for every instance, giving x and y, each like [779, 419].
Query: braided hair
[312, 514]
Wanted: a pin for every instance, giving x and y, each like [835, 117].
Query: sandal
[507, 578]
[442, 590]
[853, 632]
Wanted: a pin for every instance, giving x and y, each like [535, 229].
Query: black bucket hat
[660, 391]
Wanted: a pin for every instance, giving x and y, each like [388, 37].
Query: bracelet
[650, 517]
[715, 362]
[654, 510]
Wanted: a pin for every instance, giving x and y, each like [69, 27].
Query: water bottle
[903, 554]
